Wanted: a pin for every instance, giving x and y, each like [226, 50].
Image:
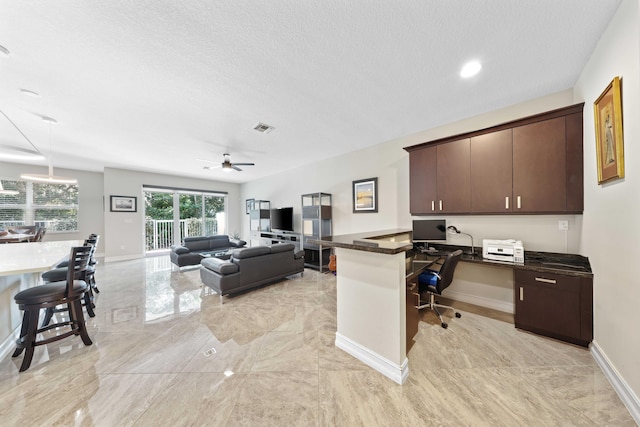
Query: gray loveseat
[251, 267]
[189, 252]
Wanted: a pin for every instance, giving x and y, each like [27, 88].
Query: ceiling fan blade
[236, 168]
[213, 167]
[208, 161]
[244, 164]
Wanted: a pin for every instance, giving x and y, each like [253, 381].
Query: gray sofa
[189, 252]
[251, 267]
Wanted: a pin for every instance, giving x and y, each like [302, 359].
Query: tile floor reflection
[167, 353]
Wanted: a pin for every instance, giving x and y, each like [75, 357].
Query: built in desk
[375, 271]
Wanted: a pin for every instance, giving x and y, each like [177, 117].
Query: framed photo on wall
[248, 205]
[365, 195]
[609, 144]
[124, 204]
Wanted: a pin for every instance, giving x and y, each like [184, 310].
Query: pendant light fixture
[50, 178]
[15, 153]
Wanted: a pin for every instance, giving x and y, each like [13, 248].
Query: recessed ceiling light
[4, 50]
[470, 69]
[30, 93]
[263, 128]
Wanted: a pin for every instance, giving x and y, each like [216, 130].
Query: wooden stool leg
[88, 303]
[23, 332]
[30, 339]
[48, 315]
[75, 313]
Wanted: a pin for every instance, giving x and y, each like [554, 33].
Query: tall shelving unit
[259, 220]
[316, 224]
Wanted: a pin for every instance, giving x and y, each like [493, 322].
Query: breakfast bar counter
[20, 268]
[371, 298]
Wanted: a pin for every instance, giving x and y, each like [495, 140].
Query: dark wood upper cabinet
[422, 180]
[539, 167]
[454, 193]
[531, 166]
[491, 172]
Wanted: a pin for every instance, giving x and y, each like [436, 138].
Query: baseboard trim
[507, 307]
[618, 383]
[8, 345]
[122, 258]
[397, 373]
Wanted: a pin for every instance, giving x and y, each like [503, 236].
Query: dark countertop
[382, 242]
[373, 241]
[543, 262]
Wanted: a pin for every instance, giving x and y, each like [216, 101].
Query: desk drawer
[555, 281]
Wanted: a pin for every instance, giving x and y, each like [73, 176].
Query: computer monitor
[429, 230]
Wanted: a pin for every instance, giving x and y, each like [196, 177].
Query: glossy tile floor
[167, 353]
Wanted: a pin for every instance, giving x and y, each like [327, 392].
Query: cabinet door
[422, 180]
[453, 177]
[575, 178]
[548, 304]
[539, 166]
[492, 172]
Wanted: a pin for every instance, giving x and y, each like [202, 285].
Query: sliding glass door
[172, 215]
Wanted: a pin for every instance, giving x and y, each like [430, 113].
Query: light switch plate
[563, 225]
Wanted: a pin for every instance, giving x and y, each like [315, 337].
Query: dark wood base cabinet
[555, 305]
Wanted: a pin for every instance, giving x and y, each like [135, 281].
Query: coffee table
[216, 254]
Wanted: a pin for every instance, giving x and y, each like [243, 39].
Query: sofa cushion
[216, 242]
[250, 252]
[219, 265]
[179, 249]
[197, 243]
[282, 247]
[237, 243]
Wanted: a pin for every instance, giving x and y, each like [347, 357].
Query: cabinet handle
[518, 202]
[440, 204]
[506, 202]
[540, 279]
[433, 205]
[521, 293]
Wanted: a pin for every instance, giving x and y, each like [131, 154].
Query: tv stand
[271, 237]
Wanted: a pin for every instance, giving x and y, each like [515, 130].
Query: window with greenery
[53, 206]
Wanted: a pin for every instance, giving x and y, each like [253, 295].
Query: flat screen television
[429, 230]
[282, 219]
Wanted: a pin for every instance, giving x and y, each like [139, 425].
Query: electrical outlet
[563, 225]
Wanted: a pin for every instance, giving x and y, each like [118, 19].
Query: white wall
[390, 164]
[124, 232]
[90, 186]
[611, 222]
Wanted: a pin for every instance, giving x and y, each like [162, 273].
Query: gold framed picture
[609, 141]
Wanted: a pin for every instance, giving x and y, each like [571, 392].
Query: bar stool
[69, 292]
[59, 274]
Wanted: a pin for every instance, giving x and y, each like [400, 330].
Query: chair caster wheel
[444, 325]
[458, 315]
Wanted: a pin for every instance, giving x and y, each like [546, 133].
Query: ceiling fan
[226, 165]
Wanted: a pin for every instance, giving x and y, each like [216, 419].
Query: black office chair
[434, 282]
[68, 292]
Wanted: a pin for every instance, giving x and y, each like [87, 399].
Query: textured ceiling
[156, 85]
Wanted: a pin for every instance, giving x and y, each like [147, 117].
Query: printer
[503, 250]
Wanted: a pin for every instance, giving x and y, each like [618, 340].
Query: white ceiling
[155, 85]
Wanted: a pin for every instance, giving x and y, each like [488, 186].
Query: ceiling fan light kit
[227, 165]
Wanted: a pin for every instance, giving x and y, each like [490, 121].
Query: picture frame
[248, 205]
[607, 111]
[124, 204]
[365, 195]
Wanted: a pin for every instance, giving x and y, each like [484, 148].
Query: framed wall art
[124, 204]
[248, 206]
[609, 141]
[365, 195]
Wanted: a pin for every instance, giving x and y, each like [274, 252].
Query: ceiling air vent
[262, 128]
